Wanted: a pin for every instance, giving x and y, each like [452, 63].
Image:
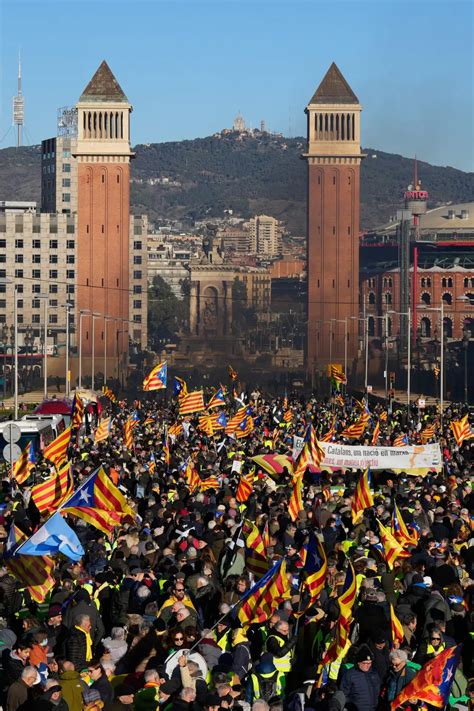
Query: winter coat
[17, 695]
[396, 681]
[44, 703]
[76, 649]
[361, 689]
[104, 687]
[75, 610]
[12, 665]
[116, 647]
[72, 686]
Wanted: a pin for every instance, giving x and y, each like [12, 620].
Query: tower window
[103, 229]
[118, 178]
[348, 282]
[318, 283]
[103, 178]
[334, 230]
[333, 283]
[334, 181]
[87, 229]
[349, 230]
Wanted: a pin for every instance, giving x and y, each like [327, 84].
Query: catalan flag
[376, 434]
[192, 402]
[400, 441]
[108, 393]
[255, 557]
[392, 549]
[295, 504]
[50, 494]
[217, 399]
[193, 480]
[346, 602]
[235, 421]
[312, 452]
[287, 416]
[128, 433]
[245, 428]
[180, 389]
[362, 498]
[245, 486]
[77, 412]
[156, 378]
[25, 464]
[99, 502]
[205, 424]
[212, 482]
[383, 416]
[232, 373]
[461, 430]
[265, 596]
[166, 451]
[340, 400]
[315, 567]
[103, 430]
[432, 684]
[56, 451]
[36, 573]
[400, 531]
[152, 463]
[337, 374]
[327, 437]
[397, 629]
[355, 430]
[427, 433]
[148, 421]
[175, 429]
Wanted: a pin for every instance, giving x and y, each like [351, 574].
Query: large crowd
[149, 617]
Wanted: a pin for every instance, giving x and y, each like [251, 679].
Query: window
[70, 244]
[70, 259]
[36, 258]
[137, 303]
[3, 318]
[53, 243]
[137, 289]
[371, 298]
[66, 197]
[3, 258]
[425, 327]
[69, 288]
[137, 274]
[53, 258]
[3, 303]
[447, 298]
[36, 244]
[20, 303]
[137, 230]
[66, 154]
[3, 245]
[426, 298]
[18, 273]
[443, 282]
[66, 182]
[450, 283]
[36, 288]
[70, 229]
[18, 244]
[53, 302]
[448, 327]
[137, 318]
[18, 259]
[137, 245]
[20, 318]
[466, 280]
[35, 318]
[137, 260]
[53, 288]
[3, 274]
[36, 303]
[53, 318]
[66, 167]
[70, 273]
[387, 298]
[53, 273]
[36, 273]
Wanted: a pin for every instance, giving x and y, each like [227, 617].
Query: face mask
[44, 643]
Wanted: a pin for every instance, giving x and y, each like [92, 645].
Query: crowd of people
[149, 617]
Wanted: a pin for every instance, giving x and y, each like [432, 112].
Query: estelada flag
[315, 567]
[25, 464]
[427, 434]
[432, 684]
[217, 399]
[156, 378]
[236, 420]
[180, 389]
[50, 494]
[266, 595]
[192, 402]
[56, 451]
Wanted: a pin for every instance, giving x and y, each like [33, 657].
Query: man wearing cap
[52, 697]
[361, 684]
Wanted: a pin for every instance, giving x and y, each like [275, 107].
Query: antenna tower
[19, 107]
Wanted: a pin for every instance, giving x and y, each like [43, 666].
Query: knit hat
[363, 654]
[90, 695]
[54, 611]
[124, 690]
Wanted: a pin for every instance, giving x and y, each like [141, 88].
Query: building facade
[265, 236]
[58, 175]
[333, 156]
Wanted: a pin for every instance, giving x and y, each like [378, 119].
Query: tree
[167, 314]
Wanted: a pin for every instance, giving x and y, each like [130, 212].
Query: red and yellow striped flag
[192, 402]
[362, 498]
[383, 416]
[212, 482]
[428, 433]
[236, 420]
[397, 629]
[77, 412]
[265, 596]
[25, 464]
[103, 430]
[461, 430]
[245, 428]
[193, 480]
[56, 451]
[295, 504]
[376, 434]
[128, 432]
[50, 494]
[175, 429]
[108, 393]
[327, 437]
[245, 486]
[392, 548]
[255, 558]
[33, 571]
[355, 430]
[205, 424]
[232, 373]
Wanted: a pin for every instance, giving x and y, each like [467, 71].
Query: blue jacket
[361, 689]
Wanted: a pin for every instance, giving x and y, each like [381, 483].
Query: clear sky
[188, 66]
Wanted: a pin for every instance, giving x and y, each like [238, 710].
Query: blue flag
[54, 536]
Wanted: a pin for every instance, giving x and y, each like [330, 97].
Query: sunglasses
[179, 639]
[436, 639]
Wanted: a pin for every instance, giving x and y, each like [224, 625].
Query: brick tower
[334, 158]
[103, 206]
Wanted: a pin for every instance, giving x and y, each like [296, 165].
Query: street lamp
[15, 336]
[408, 314]
[440, 309]
[45, 343]
[94, 316]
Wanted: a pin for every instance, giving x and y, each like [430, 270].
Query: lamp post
[5, 346]
[94, 316]
[45, 297]
[15, 341]
[408, 314]
[68, 308]
[440, 309]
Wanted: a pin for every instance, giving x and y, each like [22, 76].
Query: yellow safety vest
[283, 664]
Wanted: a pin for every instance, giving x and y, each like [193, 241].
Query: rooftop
[334, 89]
[103, 87]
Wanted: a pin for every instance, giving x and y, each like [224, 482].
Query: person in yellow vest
[431, 648]
[280, 646]
[178, 594]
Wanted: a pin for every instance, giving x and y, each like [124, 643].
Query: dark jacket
[81, 606]
[396, 681]
[12, 665]
[72, 686]
[76, 649]
[44, 703]
[104, 687]
[17, 695]
[361, 689]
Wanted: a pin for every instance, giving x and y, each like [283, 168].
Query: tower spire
[19, 106]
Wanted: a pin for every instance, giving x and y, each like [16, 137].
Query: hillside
[247, 174]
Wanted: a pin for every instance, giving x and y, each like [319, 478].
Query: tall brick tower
[334, 158]
[103, 206]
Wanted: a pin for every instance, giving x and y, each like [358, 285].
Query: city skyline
[191, 67]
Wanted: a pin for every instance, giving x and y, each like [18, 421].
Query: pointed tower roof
[334, 89]
[103, 87]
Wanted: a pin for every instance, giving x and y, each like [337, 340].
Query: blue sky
[188, 66]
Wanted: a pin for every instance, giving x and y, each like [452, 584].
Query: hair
[279, 624]
[408, 618]
[188, 693]
[117, 633]
[260, 705]
[151, 675]
[29, 671]
[399, 654]
[80, 619]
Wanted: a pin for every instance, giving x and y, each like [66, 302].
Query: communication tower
[19, 107]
